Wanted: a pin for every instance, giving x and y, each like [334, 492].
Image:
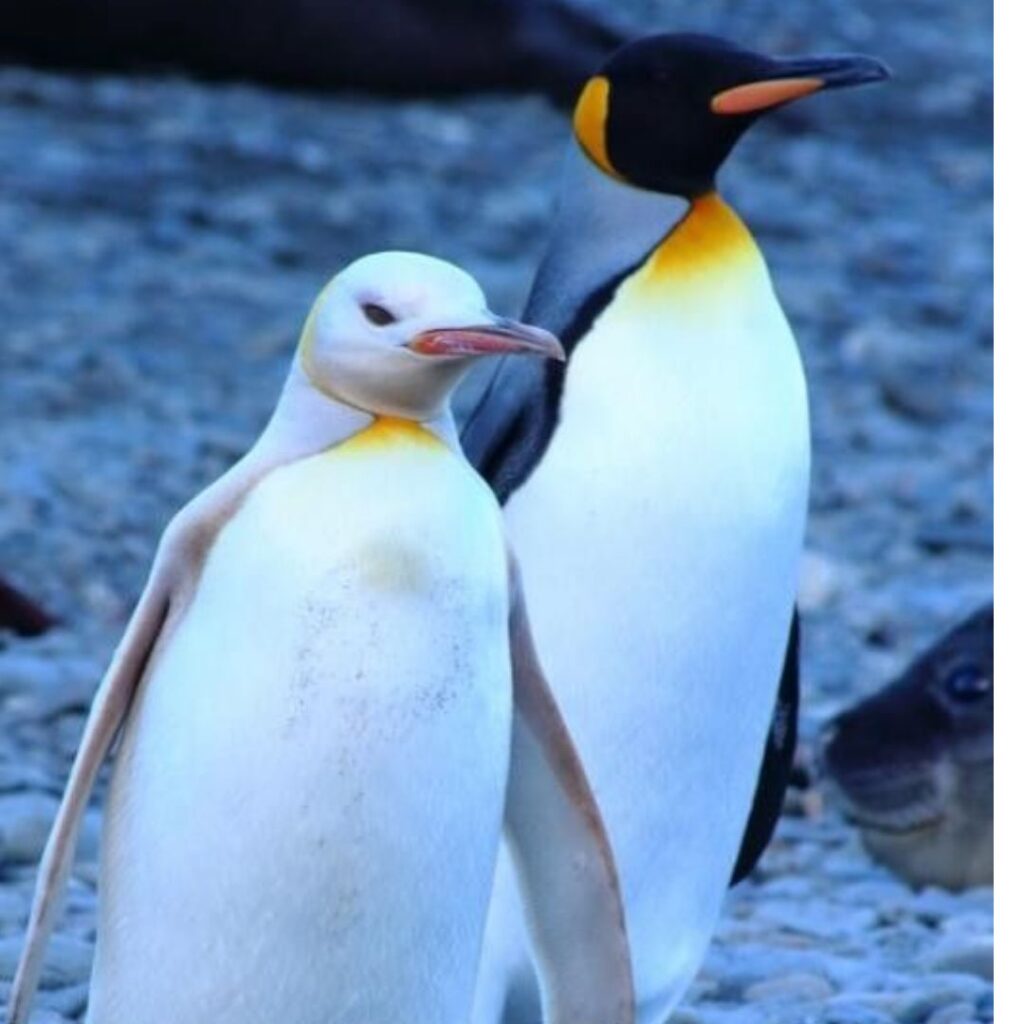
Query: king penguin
[656, 489]
[330, 705]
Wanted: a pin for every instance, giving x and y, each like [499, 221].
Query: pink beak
[502, 337]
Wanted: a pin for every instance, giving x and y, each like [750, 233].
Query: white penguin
[656, 491]
[330, 704]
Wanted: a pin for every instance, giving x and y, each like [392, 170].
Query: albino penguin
[330, 703]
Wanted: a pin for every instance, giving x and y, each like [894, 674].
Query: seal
[911, 765]
[20, 613]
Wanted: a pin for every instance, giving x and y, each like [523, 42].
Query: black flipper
[506, 425]
[777, 762]
[506, 419]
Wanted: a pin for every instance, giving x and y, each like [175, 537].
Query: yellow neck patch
[708, 244]
[391, 432]
[590, 120]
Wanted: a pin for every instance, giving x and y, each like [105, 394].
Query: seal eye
[967, 684]
[378, 315]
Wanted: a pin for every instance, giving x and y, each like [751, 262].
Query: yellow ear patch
[746, 99]
[589, 122]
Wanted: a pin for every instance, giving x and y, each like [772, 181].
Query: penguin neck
[709, 248]
[603, 228]
[306, 422]
[607, 230]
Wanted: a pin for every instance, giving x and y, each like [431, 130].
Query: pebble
[854, 1008]
[20, 775]
[43, 1015]
[25, 820]
[822, 580]
[790, 988]
[972, 956]
[954, 1013]
[68, 960]
[13, 909]
[953, 989]
[986, 1005]
[69, 1001]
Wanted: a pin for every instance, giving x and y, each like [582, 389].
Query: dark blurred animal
[391, 46]
[20, 614]
[912, 765]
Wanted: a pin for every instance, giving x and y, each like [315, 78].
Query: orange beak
[794, 77]
[754, 96]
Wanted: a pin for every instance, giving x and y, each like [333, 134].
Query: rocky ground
[163, 239]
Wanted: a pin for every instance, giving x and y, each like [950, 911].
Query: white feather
[312, 781]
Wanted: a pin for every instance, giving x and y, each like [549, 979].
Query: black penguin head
[664, 112]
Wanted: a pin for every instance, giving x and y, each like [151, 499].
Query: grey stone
[851, 1008]
[985, 1004]
[936, 905]
[939, 992]
[22, 671]
[43, 1015]
[13, 908]
[954, 1013]
[25, 820]
[68, 960]
[711, 1014]
[802, 988]
[964, 956]
[70, 1001]
[814, 918]
[685, 1016]
[20, 775]
[38, 685]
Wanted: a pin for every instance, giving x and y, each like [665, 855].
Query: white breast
[659, 540]
[306, 808]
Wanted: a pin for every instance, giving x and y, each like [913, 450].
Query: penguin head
[394, 333]
[665, 111]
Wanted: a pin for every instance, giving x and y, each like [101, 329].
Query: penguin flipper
[502, 422]
[776, 763]
[563, 858]
[109, 708]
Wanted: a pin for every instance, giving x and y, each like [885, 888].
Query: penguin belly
[659, 540]
[304, 814]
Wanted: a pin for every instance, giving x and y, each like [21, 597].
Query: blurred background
[163, 238]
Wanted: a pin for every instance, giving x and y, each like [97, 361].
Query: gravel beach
[163, 240]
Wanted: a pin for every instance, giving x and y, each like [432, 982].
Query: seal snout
[891, 788]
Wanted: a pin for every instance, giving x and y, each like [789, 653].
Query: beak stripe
[747, 99]
[590, 122]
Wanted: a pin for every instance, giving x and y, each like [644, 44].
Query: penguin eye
[967, 684]
[378, 315]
